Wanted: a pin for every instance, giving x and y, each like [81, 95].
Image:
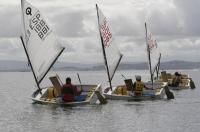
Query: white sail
[153, 51]
[112, 52]
[40, 42]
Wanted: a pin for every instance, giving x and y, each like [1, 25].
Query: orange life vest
[139, 86]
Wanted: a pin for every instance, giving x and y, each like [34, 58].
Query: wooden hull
[158, 92]
[179, 87]
[88, 90]
[184, 85]
[168, 77]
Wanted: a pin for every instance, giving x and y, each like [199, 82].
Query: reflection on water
[18, 113]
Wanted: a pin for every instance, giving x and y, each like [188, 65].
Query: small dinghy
[185, 83]
[42, 50]
[51, 95]
[123, 92]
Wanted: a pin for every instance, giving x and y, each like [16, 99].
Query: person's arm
[61, 90]
[79, 91]
[76, 92]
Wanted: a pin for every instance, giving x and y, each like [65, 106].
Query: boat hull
[182, 86]
[158, 92]
[168, 77]
[179, 87]
[88, 90]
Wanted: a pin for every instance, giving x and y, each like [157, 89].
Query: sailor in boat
[69, 91]
[176, 80]
[138, 86]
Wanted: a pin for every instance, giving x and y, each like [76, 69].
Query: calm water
[18, 114]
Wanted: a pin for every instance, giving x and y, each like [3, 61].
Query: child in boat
[69, 91]
[138, 86]
[176, 80]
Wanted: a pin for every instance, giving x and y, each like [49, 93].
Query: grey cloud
[11, 48]
[70, 22]
[181, 49]
[178, 20]
[84, 49]
[82, 45]
[92, 46]
[10, 21]
[164, 24]
[189, 10]
[183, 45]
[127, 48]
[176, 28]
[123, 26]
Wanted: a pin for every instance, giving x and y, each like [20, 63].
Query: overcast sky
[174, 23]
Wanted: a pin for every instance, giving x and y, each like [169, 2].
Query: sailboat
[42, 50]
[186, 81]
[112, 57]
[154, 57]
[154, 66]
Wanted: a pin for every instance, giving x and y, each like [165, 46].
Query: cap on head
[138, 77]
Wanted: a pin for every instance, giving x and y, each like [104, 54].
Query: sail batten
[39, 40]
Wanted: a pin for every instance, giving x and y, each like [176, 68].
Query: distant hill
[180, 65]
[7, 65]
[22, 66]
[164, 65]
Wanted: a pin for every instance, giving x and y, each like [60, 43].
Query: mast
[23, 38]
[103, 48]
[29, 62]
[149, 55]
[38, 85]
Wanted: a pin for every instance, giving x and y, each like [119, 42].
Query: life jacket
[68, 89]
[68, 98]
[139, 86]
[121, 91]
[68, 93]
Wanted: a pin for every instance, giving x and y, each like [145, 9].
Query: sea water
[19, 114]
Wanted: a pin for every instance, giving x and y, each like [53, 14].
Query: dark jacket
[68, 92]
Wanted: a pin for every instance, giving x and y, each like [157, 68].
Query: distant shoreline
[22, 66]
[97, 70]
